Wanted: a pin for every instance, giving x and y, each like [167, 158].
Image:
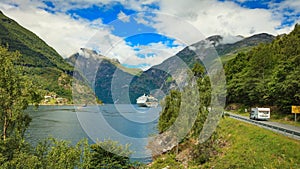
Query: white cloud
[63, 5]
[289, 4]
[187, 21]
[154, 53]
[123, 17]
[6, 6]
[224, 18]
[288, 12]
[60, 31]
[229, 39]
[142, 18]
[68, 35]
[177, 28]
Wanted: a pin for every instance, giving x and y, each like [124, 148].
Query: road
[285, 129]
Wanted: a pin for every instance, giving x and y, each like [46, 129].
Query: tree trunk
[5, 124]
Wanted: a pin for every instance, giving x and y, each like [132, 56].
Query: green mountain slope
[267, 74]
[42, 64]
[35, 52]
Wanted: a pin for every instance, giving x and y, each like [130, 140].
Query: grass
[166, 161]
[248, 146]
[286, 119]
[227, 58]
[133, 71]
[242, 145]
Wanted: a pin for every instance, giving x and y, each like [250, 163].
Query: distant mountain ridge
[106, 76]
[88, 53]
[159, 78]
[225, 49]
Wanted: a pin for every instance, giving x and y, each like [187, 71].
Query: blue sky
[137, 33]
[107, 13]
[254, 4]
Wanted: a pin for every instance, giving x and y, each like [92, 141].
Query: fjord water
[62, 122]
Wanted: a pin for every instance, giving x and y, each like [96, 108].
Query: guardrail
[288, 132]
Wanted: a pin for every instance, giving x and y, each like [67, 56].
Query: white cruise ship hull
[146, 101]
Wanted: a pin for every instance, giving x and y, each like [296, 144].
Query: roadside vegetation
[248, 146]
[238, 145]
[267, 75]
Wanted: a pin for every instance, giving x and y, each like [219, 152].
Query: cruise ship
[147, 101]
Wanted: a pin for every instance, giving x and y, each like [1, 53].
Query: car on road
[260, 113]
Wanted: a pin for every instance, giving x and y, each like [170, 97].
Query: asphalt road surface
[285, 129]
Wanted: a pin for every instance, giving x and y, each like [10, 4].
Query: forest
[267, 75]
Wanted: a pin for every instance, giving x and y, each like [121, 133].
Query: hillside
[171, 73]
[239, 145]
[227, 49]
[41, 63]
[107, 77]
[243, 142]
[90, 53]
[267, 74]
[35, 52]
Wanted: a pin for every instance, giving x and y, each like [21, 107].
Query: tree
[192, 101]
[54, 153]
[15, 95]
[170, 110]
[109, 154]
[51, 154]
[198, 70]
[267, 75]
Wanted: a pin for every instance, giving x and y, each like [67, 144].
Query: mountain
[35, 52]
[109, 79]
[91, 54]
[113, 82]
[171, 73]
[225, 49]
[189, 56]
[40, 62]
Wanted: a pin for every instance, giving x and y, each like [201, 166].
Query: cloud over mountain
[69, 25]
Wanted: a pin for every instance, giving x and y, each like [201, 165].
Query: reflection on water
[62, 122]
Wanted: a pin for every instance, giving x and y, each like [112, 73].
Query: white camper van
[260, 113]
